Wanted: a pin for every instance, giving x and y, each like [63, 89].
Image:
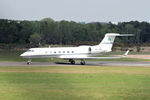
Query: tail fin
[107, 42]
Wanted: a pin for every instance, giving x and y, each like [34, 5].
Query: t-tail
[107, 43]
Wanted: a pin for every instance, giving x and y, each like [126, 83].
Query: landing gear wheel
[82, 62]
[71, 61]
[29, 62]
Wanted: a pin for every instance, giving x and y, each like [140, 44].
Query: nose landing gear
[29, 62]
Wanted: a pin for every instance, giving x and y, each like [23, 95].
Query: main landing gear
[82, 62]
[73, 62]
[29, 62]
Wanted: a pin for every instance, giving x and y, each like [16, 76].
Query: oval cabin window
[90, 49]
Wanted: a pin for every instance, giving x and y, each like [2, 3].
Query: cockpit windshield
[30, 51]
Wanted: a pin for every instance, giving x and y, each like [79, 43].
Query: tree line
[48, 31]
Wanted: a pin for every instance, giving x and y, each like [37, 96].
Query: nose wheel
[29, 62]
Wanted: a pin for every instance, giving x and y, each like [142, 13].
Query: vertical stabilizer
[108, 40]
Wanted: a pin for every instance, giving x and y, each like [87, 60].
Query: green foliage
[138, 49]
[35, 39]
[72, 33]
[48, 20]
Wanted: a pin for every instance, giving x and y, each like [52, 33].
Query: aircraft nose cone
[22, 55]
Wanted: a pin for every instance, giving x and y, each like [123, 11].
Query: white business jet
[72, 53]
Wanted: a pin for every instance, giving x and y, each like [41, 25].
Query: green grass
[75, 83]
[15, 56]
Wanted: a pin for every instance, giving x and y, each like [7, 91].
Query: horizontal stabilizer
[126, 35]
[107, 42]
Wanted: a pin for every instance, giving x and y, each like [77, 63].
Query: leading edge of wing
[80, 57]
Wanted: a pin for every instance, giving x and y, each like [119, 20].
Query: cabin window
[63, 51]
[59, 51]
[67, 51]
[54, 51]
[90, 49]
[72, 51]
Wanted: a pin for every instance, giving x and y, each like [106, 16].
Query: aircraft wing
[86, 57]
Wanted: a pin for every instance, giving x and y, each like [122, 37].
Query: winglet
[126, 53]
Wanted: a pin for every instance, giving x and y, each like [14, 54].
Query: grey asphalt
[88, 63]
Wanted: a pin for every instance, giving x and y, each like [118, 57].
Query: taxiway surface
[88, 63]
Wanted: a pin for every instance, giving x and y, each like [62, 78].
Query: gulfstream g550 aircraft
[73, 53]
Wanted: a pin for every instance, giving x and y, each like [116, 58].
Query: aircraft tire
[28, 63]
[72, 62]
[82, 62]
